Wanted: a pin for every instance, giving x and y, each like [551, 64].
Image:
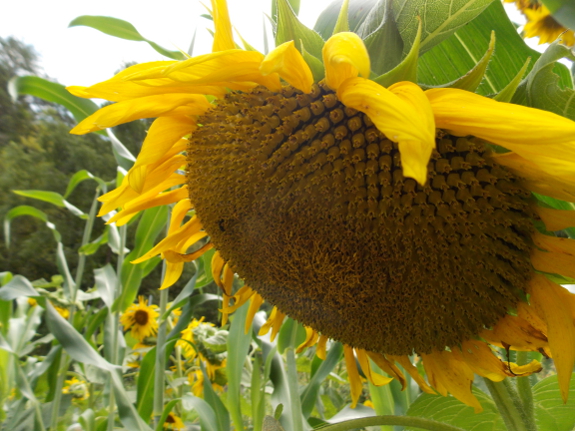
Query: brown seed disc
[306, 200]
[141, 317]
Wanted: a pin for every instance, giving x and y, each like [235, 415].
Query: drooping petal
[556, 305]
[344, 56]
[144, 107]
[375, 378]
[389, 367]
[413, 372]
[516, 333]
[274, 322]
[320, 350]
[287, 61]
[255, 303]
[546, 139]
[223, 36]
[352, 375]
[311, 337]
[447, 374]
[402, 113]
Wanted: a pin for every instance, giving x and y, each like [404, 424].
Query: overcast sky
[84, 56]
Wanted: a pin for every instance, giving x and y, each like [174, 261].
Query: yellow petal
[287, 61]
[228, 279]
[402, 113]
[344, 56]
[173, 272]
[274, 323]
[144, 107]
[446, 373]
[546, 139]
[311, 337]
[320, 350]
[553, 263]
[516, 333]
[555, 244]
[375, 378]
[355, 385]
[217, 267]
[223, 37]
[255, 303]
[537, 180]
[389, 367]
[413, 372]
[556, 305]
[556, 219]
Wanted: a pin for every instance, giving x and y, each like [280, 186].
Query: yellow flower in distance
[540, 23]
[174, 422]
[141, 319]
[378, 217]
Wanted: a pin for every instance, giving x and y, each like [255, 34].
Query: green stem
[65, 361]
[524, 389]
[160, 367]
[406, 421]
[509, 405]
[295, 402]
[114, 325]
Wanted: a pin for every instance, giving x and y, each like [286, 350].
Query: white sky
[84, 56]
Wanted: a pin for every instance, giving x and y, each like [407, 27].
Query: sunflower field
[369, 225]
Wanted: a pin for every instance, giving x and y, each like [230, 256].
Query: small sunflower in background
[78, 388]
[174, 422]
[541, 24]
[141, 319]
[395, 220]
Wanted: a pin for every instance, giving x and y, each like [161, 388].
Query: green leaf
[93, 246]
[284, 336]
[311, 391]
[508, 92]
[150, 225]
[80, 176]
[382, 39]
[460, 53]
[165, 414]
[543, 87]
[145, 385]
[407, 69]
[356, 15]
[21, 211]
[205, 412]
[315, 64]
[440, 19]
[80, 350]
[210, 396]
[471, 80]
[290, 28]
[53, 198]
[106, 283]
[123, 157]
[122, 29]
[183, 296]
[238, 346]
[217, 343]
[551, 413]
[51, 92]
[17, 287]
[451, 411]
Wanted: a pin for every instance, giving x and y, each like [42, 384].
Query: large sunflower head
[141, 319]
[392, 219]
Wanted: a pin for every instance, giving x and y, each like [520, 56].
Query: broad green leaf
[284, 336]
[290, 28]
[51, 92]
[80, 176]
[460, 53]
[543, 88]
[64, 270]
[238, 346]
[551, 413]
[382, 39]
[453, 412]
[407, 69]
[106, 283]
[88, 420]
[210, 396]
[183, 295]
[150, 225]
[145, 385]
[439, 19]
[122, 29]
[311, 391]
[357, 12]
[17, 212]
[17, 287]
[204, 410]
[53, 198]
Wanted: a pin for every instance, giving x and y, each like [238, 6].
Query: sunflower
[141, 319]
[379, 217]
[541, 24]
[174, 422]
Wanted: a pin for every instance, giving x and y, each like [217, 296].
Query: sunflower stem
[509, 405]
[295, 402]
[524, 388]
[159, 374]
[406, 421]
